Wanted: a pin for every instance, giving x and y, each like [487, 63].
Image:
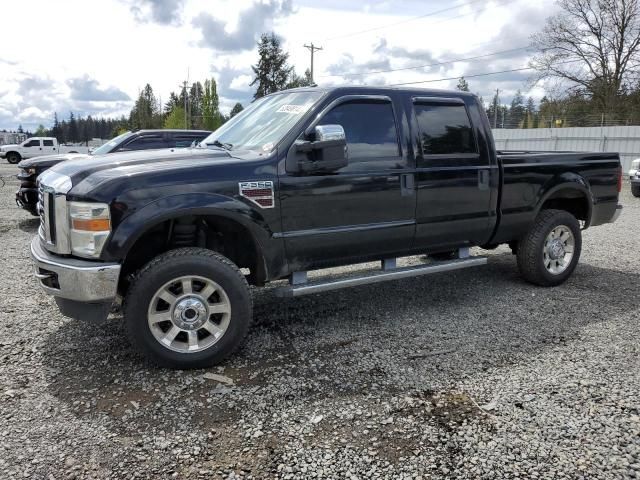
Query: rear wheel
[549, 252]
[635, 190]
[188, 308]
[13, 157]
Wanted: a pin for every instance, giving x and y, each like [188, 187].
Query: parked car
[635, 184]
[36, 147]
[27, 194]
[301, 180]
[635, 168]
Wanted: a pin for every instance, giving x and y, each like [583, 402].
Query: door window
[32, 143]
[370, 129]
[183, 140]
[445, 129]
[47, 143]
[146, 142]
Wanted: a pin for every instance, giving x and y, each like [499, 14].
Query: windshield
[107, 147]
[264, 123]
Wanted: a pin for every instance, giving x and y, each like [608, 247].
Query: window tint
[369, 127]
[444, 129]
[146, 142]
[47, 143]
[32, 143]
[183, 140]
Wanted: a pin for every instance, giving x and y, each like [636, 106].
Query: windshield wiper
[218, 143]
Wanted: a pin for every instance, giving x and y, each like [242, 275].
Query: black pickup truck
[305, 179]
[27, 194]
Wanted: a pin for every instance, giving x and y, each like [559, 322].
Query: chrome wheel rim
[558, 249]
[189, 314]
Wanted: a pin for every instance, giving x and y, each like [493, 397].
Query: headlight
[29, 171]
[90, 227]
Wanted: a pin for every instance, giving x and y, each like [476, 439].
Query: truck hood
[87, 174]
[8, 146]
[50, 160]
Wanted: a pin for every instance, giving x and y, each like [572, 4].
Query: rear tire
[207, 311]
[13, 158]
[635, 190]
[549, 252]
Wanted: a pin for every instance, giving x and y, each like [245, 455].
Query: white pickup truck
[37, 146]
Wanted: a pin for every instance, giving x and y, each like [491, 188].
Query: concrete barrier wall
[624, 140]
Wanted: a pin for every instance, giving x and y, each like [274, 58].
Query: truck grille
[46, 211]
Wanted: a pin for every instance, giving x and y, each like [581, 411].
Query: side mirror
[327, 153]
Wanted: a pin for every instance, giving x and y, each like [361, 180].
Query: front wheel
[13, 158]
[635, 190]
[549, 252]
[188, 308]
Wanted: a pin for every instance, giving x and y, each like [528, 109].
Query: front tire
[635, 190]
[188, 308]
[549, 252]
[13, 158]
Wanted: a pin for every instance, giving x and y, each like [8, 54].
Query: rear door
[48, 147]
[452, 176]
[363, 209]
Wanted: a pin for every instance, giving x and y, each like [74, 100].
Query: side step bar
[300, 286]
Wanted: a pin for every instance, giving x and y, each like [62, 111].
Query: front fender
[133, 226]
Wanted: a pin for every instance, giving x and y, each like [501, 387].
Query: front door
[452, 177]
[32, 148]
[363, 210]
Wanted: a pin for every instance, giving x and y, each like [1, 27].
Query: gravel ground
[472, 374]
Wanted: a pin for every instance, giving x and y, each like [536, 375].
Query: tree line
[193, 107]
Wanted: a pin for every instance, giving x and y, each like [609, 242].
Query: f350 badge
[260, 193]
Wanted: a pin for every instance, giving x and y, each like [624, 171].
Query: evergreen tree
[73, 128]
[20, 130]
[146, 111]
[195, 105]
[41, 131]
[272, 71]
[56, 131]
[296, 81]
[463, 85]
[517, 111]
[237, 108]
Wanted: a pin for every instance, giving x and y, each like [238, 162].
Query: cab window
[369, 127]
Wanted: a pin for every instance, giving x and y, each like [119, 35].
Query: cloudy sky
[93, 56]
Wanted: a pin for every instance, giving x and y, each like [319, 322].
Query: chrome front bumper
[74, 279]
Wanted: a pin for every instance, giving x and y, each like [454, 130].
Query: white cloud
[113, 48]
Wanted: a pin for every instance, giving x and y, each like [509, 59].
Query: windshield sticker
[295, 109]
[267, 147]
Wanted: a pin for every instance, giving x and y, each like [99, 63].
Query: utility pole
[312, 48]
[184, 86]
[495, 109]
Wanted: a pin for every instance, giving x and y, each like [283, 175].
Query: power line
[425, 66]
[465, 76]
[430, 14]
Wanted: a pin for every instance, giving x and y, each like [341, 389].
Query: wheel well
[219, 234]
[570, 200]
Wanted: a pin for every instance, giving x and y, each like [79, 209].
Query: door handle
[407, 184]
[483, 179]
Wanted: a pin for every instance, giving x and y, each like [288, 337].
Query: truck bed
[529, 177]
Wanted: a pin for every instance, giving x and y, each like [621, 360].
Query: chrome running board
[298, 284]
